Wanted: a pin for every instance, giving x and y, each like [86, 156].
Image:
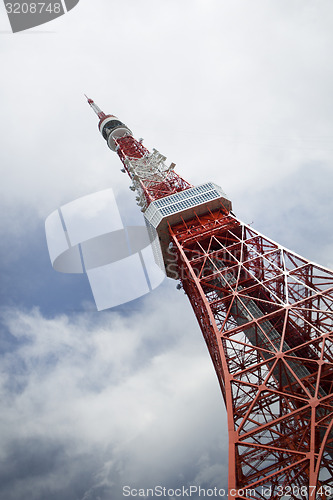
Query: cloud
[296, 212]
[242, 98]
[135, 393]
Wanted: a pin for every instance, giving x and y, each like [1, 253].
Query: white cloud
[140, 391]
[236, 92]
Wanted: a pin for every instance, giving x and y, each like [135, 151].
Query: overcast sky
[232, 91]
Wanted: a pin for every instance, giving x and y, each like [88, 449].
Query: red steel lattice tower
[266, 315]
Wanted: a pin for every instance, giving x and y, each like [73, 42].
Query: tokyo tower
[266, 315]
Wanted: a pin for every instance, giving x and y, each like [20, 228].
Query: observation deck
[178, 207]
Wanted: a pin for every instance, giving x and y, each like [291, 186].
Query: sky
[232, 91]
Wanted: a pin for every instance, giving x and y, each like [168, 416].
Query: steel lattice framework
[266, 315]
[267, 318]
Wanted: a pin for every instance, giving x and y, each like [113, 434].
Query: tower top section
[164, 196]
[94, 106]
[109, 126]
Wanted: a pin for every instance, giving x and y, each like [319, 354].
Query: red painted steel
[266, 315]
[130, 148]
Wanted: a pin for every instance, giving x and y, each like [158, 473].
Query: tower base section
[266, 315]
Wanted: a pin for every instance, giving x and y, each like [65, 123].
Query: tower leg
[266, 315]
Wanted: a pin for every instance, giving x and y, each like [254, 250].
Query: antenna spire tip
[90, 101]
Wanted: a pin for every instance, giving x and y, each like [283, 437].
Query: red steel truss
[267, 318]
[266, 315]
[154, 187]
